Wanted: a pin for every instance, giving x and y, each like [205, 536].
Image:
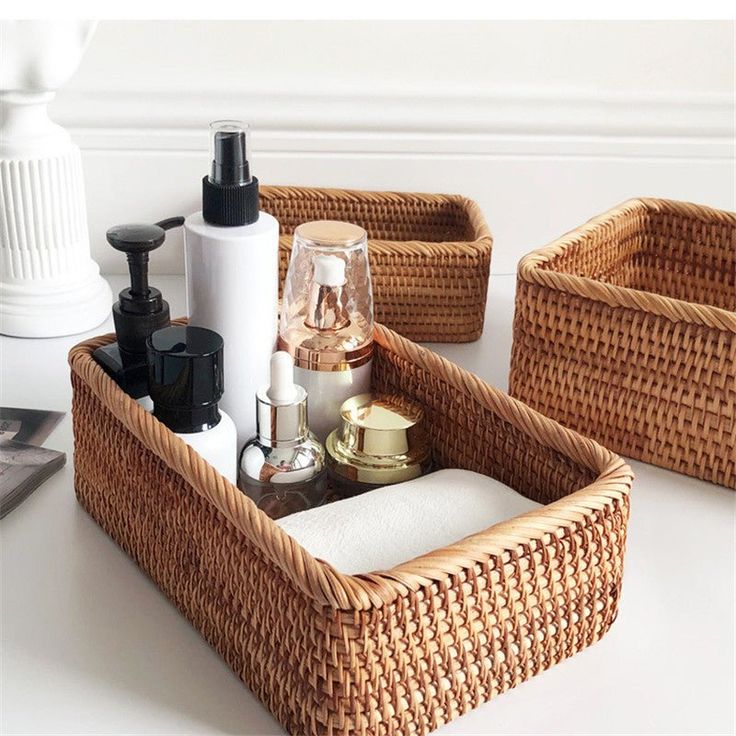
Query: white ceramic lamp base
[43, 310]
[49, 284]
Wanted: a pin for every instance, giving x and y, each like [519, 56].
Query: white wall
[544, 123]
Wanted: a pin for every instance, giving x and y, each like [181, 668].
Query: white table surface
[89, 644]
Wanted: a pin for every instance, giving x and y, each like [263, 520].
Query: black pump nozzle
[140, 309]
[170, 222]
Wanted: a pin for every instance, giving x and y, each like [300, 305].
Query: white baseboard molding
[539, 113]
[538, 166]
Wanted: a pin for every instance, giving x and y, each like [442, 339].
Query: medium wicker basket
[392, 652]
[625, 330]
[430, 254]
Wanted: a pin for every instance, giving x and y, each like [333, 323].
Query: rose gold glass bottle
[327, 317]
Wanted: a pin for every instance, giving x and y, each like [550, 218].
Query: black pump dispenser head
[229, 193]
[140, 309]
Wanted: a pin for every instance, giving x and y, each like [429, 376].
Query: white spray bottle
[232, 271]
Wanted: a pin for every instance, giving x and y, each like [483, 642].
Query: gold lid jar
[381, 440]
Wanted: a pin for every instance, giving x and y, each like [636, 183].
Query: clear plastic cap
[327, 309]
[229, 150]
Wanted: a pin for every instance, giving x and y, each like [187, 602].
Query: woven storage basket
[430, 254]
[395, 652]
[625, 330]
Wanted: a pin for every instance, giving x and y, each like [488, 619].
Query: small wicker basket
[430, 254]
[392, 652]
[625, 330]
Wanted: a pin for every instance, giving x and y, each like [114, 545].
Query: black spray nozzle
[230, 162]
[229, 192]
[140, 308]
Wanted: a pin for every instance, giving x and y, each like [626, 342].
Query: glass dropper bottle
[327, 317]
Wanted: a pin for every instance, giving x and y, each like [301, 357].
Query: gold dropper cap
[381, 439]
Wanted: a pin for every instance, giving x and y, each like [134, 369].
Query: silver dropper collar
[284, 452]
[278, 421]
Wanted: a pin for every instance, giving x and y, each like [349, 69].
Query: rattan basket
[625, 330]
[393, 652]
[430, 254]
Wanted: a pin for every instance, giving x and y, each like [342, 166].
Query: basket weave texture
[625, 330]
[392, 652]
[430, 254]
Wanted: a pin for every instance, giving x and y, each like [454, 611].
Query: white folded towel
[390, 525]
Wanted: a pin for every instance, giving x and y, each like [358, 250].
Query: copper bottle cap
[328, 360]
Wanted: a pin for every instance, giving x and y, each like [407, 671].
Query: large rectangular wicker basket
[430, 254]
[625, 330]
[393, 652]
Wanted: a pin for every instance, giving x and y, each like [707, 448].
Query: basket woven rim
[327, 586]
[677, 310]
[483, 237]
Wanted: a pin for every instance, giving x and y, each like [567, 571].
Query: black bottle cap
[185, 377]
[229, 193]
[140, 309]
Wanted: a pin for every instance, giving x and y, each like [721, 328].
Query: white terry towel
[385, 527]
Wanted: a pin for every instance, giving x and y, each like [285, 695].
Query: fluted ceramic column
[49, 284]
